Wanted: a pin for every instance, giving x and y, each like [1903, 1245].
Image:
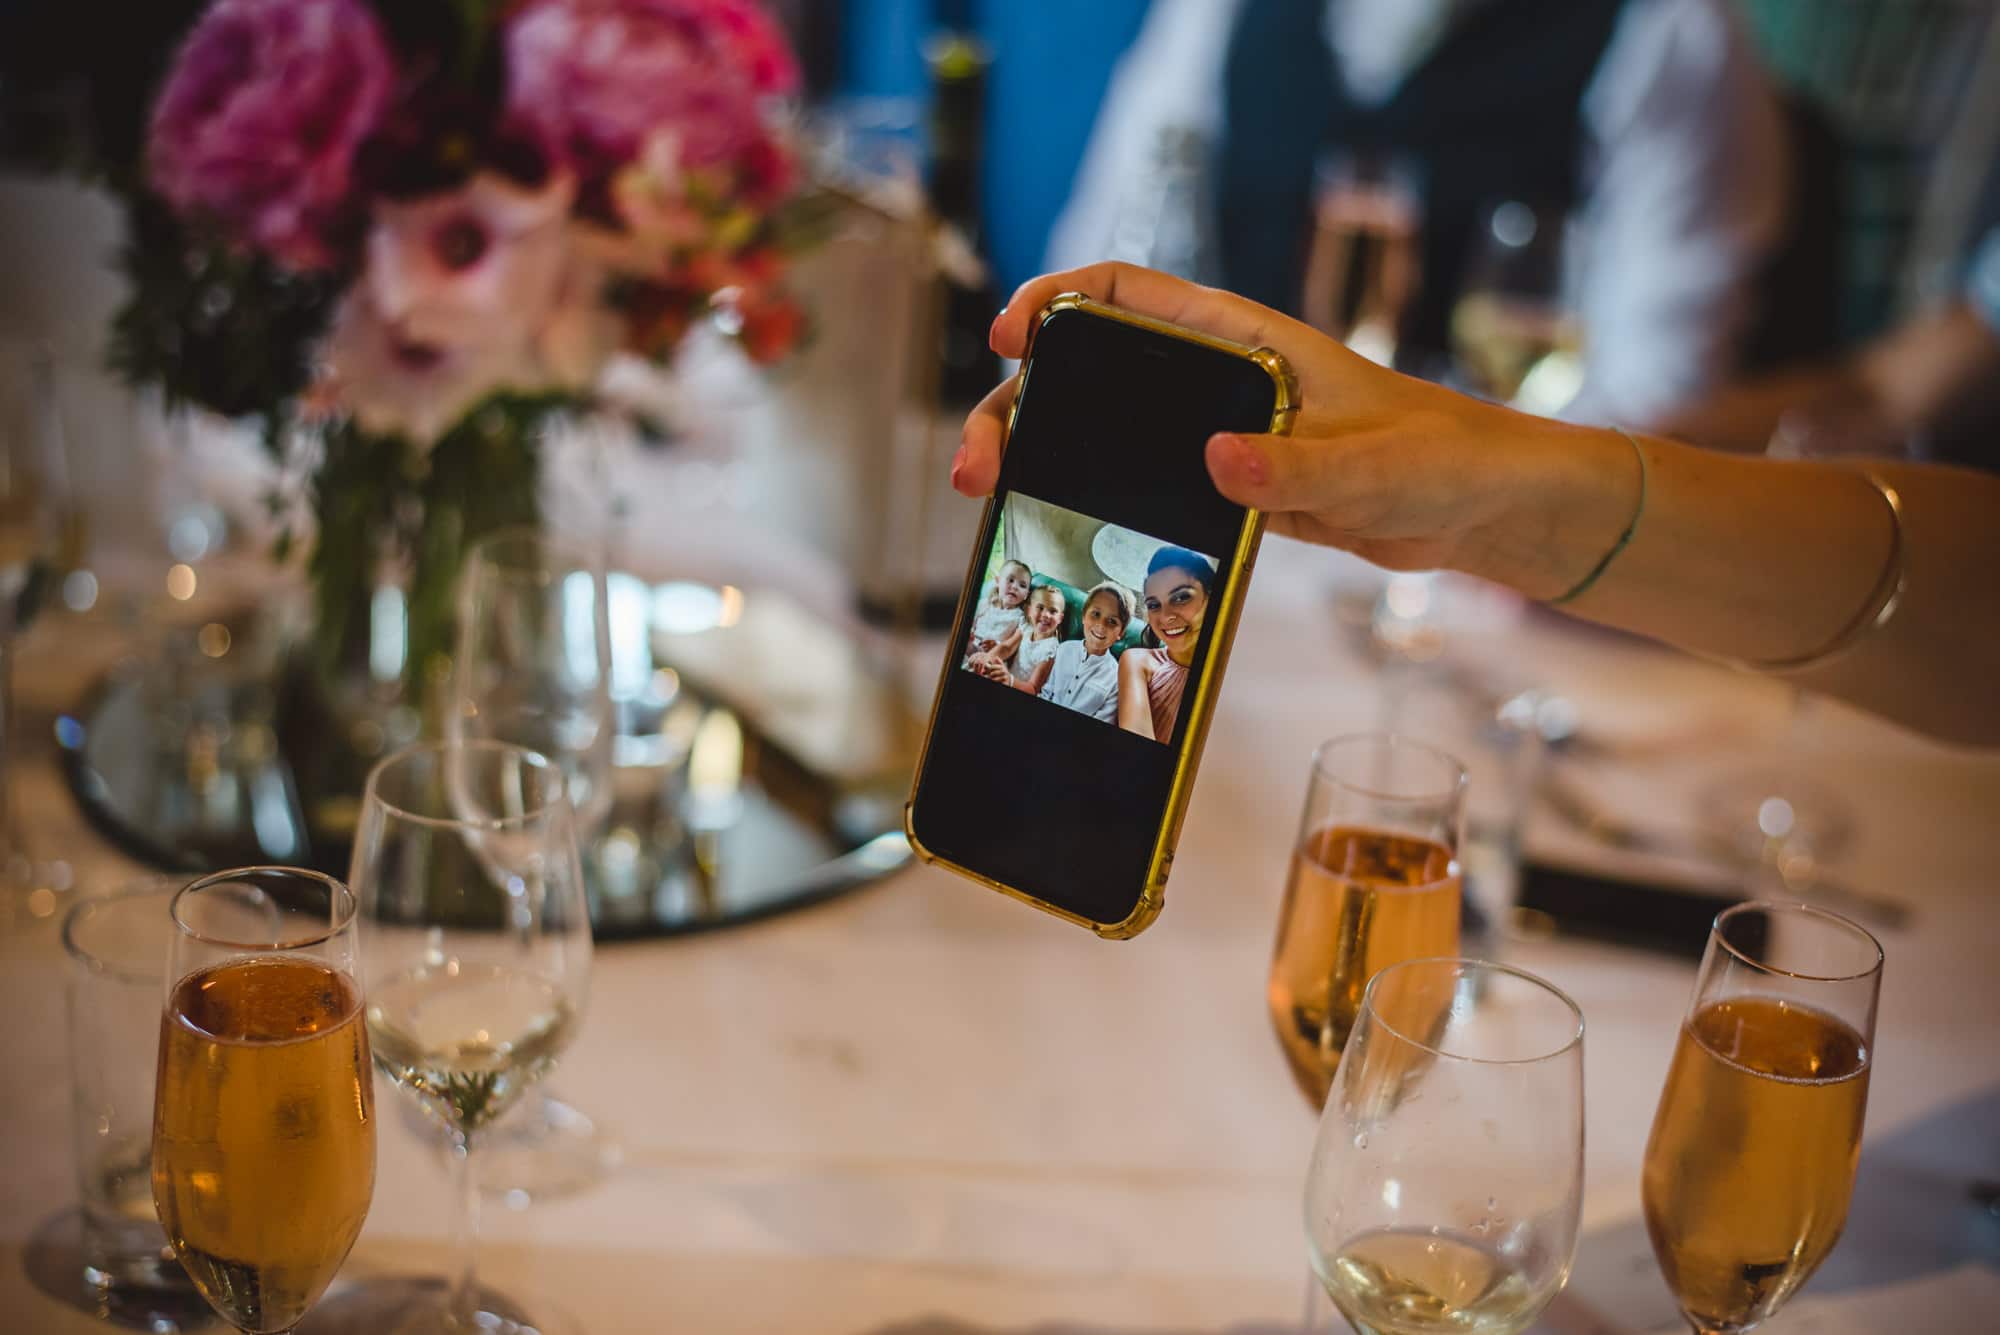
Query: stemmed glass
[1362, 262]
[1753, 1150]
[1447, 1180]
[533, 668]
[1374, 880]
[40, 535]
[1780, 819]
[533, 665]
[1514, 329]
[264, 1106]
[478, 956]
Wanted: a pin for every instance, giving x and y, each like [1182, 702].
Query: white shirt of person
[1032, 654]
[1087, 683]
[1685, 173]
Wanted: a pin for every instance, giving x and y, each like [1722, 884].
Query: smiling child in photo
[1083, 675]
[1001, 621]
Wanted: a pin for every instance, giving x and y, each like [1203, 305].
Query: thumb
[1275, 473]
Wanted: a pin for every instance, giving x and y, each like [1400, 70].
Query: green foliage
[471, 1096]
[377, 499]
[227, 330]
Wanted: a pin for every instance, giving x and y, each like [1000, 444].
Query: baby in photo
[1001, 621]
[1047, 606]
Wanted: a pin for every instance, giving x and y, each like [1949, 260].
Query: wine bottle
[968, 301]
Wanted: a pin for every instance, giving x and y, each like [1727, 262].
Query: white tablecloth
[926, 1108]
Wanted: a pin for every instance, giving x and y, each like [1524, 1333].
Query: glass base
[420, 1305]
[542, 1150]
[33, 890]
[547, 1149]
[145, 1290]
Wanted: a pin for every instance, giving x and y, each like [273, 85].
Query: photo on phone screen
[1074, 610]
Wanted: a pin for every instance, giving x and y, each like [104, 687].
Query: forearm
[1758, 560]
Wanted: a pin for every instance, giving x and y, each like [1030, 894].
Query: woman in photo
[1084, 674]
[1151, 680]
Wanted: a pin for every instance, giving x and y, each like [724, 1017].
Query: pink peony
[467, 293]
[257, 126]
[595, 80]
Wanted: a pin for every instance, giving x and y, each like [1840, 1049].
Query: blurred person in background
[1650, 122]
[1929, 388]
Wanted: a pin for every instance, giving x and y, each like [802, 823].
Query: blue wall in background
[1051, 59]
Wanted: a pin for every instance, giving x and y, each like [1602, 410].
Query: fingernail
[1248, 457]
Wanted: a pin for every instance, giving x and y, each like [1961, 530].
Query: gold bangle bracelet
[1882, 602]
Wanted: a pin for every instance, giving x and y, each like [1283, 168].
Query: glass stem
[1312, 1321]
[10, 846]
[464, 1300]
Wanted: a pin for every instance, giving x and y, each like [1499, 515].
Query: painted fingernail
[1248, 457]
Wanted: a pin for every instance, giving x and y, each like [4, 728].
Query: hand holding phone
[1096, 616]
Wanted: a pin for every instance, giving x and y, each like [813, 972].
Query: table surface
[925, 1108]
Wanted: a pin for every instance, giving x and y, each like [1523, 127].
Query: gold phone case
[1152, 896]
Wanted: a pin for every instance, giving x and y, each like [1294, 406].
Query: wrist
[1563, 496]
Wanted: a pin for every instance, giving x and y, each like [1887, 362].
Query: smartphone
[1096, 617]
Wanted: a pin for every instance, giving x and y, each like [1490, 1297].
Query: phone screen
[1090, 616]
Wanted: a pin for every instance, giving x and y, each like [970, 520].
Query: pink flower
[465, 294]
[478, 264]
[257, 126]
[595, 80]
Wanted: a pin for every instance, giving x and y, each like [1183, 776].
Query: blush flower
[465, 294]
[594, 80]
[260, 118]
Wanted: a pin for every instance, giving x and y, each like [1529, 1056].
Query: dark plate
[735, 797]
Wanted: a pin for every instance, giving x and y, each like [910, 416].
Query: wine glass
[264, 1106]
[478, 957]
[1753, 1150]
[1374, 879]
[40, 536]
[1446, 1183]
[1514, 333]
[533, 667]
[1780, 819]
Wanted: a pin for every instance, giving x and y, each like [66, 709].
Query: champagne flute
[1374, 880]
[533, 668]
[478, 957]
[1753, 1150]
[1446, 1183]
[264, 1108]
[1362, 263]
